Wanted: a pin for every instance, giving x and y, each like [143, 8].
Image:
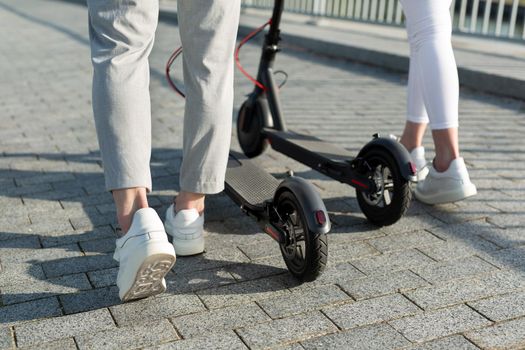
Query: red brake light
[320, 217]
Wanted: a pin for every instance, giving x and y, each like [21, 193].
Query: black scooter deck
[307, 148]
[248, 183]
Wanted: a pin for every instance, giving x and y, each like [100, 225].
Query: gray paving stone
[349, 251]
[509, 221]
[455, 342]
[219, 341]
[459, 291]
[303, 300]
[29, 255]
[338, 273]
[78, 264]
[17, 293]
[11, 273]
[451, 250]
[439, 323]
[78, 236]
[392, 261]
[404, 241]
[375, 337]
[89, 300]
[199, 280]
[507, 258]
[153, 308]
[505, 335]
[503, 307]
[103, 278]
[412, 223]
[370, 311]
[212, 259]
[106, 245]
[389, 283]
[297, 328]
[461, 268]
[218, 320]
[259, 268]
[31, 310]
[61, 327]
[135, 336]
[62, 344]
[6, 338]
[505, 238]
[244, 292]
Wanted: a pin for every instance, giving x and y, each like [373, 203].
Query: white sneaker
[186, 228]
[449, 186]
[145, 256]
[418, 157]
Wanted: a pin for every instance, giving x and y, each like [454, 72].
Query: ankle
[189, 200]
[441, 165]
[127, 202]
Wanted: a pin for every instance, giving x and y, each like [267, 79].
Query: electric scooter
[381, 172]
[289, 211]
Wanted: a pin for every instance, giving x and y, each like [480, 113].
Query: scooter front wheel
[389, 202]
[250, 123]
[305, 252]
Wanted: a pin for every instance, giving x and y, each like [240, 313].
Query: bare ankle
[189, 200]
[127, 202]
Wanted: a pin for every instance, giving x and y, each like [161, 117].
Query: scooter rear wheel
[250, 123]
[305, 252]
[390, 201]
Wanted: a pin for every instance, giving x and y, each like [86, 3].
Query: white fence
[494, 18]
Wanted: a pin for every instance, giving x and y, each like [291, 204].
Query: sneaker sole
[149, 279]
[447, 197]
[188, 247]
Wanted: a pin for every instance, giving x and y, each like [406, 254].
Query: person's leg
[121, 101]
[429, 32]
[121, 35]
[434, 72]
[208, 32]
[417, 118]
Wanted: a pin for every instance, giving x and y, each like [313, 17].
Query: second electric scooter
[381, 171]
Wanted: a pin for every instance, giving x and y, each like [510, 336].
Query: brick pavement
[449, 276]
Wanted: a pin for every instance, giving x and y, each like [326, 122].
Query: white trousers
[433, 86]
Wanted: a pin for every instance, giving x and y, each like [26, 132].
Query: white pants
[433, 86]
[122, 34]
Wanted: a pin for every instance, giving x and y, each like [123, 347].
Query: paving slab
[156, 307]
[31, 310]
[131, 337]
[505, 335]
[220, 341]
[217, 320]
[38, 289]
[379, 285]
[439, 323]
[370, 311]
[62, 327]
[375, 337]
[501, 307]
[456, 342]
[286, 330]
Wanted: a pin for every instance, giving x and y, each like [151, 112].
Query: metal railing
[494, 18]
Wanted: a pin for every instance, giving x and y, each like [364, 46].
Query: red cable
[172, 59]
[178, 51]
[238, 50]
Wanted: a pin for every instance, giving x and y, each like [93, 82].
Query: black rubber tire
[312, 261]
[400, 195]
[250, 122]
